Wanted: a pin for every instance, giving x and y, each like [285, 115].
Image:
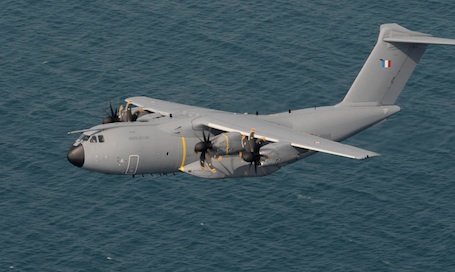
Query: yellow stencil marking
[227, 143]
[182, 166]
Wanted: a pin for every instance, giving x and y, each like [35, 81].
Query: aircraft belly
[230, 166]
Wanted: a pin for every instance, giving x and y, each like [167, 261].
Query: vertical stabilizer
[389, 66]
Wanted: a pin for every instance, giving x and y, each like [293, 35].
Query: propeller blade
[202, 160]
[252, 133]
[112, 116]
[206, 149]
[112, 109]
[209, 163]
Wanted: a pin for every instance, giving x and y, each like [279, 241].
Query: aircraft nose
[76, 155]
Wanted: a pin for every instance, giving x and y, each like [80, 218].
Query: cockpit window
[84, 137]
[93, 138]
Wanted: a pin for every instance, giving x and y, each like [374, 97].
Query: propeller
[207, 152]
[251, 152]
[113, 117]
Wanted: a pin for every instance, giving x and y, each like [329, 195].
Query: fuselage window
[101, 138]
[93, 139]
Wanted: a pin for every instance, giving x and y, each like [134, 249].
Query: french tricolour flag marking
[386, 63]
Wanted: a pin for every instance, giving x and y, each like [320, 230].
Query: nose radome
[76, 155]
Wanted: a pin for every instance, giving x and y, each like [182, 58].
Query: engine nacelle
[228, 143]
[278, 154]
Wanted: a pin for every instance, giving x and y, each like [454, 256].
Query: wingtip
[367, 156]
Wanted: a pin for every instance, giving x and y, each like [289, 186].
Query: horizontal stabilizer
[420, 39]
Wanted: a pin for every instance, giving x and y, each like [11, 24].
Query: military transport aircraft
[150, 136]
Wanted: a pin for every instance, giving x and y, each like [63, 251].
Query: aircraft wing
[166, 108]
[276, 133]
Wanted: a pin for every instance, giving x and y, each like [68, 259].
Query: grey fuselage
[165, 144]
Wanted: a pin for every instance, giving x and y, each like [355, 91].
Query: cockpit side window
[93, 139]
[101, 138]
[85, 137]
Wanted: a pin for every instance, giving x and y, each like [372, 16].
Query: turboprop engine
[227, 143]
[278, 154]
[124, 115]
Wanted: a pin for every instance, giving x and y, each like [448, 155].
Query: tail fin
[389, 66]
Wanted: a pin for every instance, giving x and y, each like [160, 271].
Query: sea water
[63, 62]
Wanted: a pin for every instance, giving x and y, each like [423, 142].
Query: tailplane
[389, 66]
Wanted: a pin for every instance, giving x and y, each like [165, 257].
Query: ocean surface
[62, 62]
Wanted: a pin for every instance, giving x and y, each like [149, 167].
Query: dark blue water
[61, 62]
